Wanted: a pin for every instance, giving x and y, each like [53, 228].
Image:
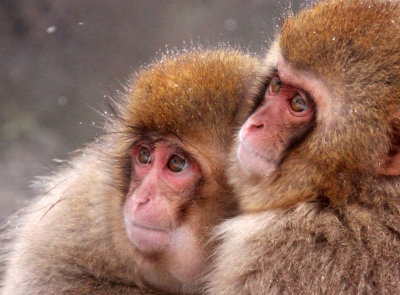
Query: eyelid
[183, 156]
[177, 155]
[178, 151]
[137, 144]
[307, 96]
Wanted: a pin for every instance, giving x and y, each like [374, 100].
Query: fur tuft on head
[195, 94]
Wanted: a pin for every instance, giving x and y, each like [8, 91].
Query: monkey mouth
[149, 239]
[250, 149]
[254, 162]
[144, 227]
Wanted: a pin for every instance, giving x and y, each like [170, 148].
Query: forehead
[337, 34]
[153, 139]
[352, 44]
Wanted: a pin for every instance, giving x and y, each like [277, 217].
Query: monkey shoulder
[342, 250]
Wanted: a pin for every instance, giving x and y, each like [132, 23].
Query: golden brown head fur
[355, 47]
[189, 94]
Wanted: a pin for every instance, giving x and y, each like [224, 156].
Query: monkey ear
[391, 165]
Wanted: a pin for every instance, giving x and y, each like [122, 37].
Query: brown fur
[330, 222]
[72, 239]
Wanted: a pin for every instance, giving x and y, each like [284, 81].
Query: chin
[148, 240]
[252, 162]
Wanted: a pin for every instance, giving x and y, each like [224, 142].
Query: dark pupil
[144, 155]
[177, 164]
[298, 104]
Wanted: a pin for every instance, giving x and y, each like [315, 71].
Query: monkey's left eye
[144, 155]
[275, 84]
[177, 164]
[299, 104]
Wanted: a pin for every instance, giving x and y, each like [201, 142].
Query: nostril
[140, 202]
[249, 128]
[257, 126]
[144, 201]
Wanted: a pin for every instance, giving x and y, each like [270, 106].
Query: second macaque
[132, 213]
[317, 163]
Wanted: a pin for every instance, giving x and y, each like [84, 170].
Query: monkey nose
[139, 199]
[254, 123]
[140, 203]
[249, 128]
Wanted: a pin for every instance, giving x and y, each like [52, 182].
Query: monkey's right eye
[275, 85]
[143, 155]
[177, 164]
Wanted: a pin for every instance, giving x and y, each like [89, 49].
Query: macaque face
[163, 182]
[176, 131]
[284, 116]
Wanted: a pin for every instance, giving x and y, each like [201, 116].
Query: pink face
[283, 116]
[162, 181]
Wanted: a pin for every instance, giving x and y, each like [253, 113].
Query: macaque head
[285, 114]
[325, 108]
[175, 130]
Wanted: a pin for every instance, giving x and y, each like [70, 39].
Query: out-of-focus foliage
[59, 58]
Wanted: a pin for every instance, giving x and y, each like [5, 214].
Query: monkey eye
[144, 155]
[275, 85]
[298, 104]
[177, 164]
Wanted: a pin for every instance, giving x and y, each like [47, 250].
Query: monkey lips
[254, 162]
[147, 238]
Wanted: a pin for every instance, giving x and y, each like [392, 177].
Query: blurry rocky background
[60, 58]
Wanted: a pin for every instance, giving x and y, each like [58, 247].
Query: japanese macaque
[132, 213]
[317, 163]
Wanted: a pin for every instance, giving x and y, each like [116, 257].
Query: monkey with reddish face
[132, 213]
[317, 164]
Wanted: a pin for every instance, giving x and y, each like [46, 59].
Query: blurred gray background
[59, 59]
